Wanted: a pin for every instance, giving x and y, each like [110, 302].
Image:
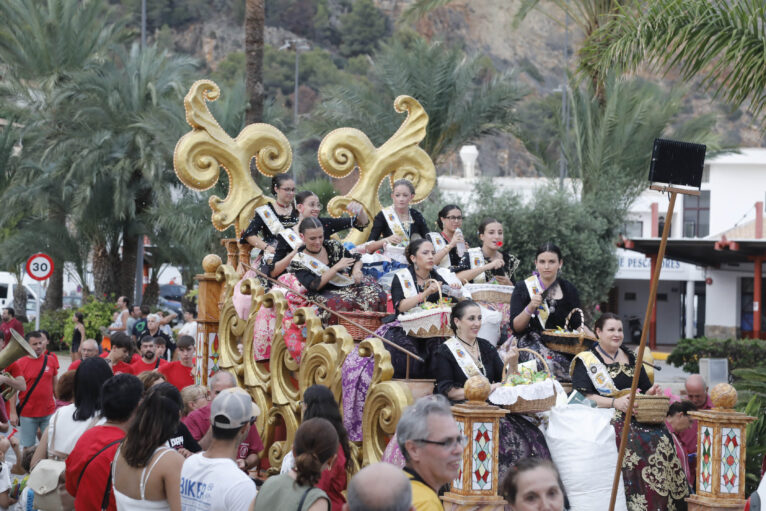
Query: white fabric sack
[490, 325]
[583, 447]
[507, 395]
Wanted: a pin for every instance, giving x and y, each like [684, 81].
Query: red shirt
[119, 367]
[198, 423]
[5, 328]
[74, 365]
[333, 481]
[140, 366]
[41, 402]
[90, 492]
[177, 374]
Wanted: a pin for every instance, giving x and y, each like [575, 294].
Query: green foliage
[741, 353]
[756, 440]
[585, 237]
[322, 187]
[55, 323]
[174, 13]
[463, 97]
[362, 28]
[297, 16]
[97, 314]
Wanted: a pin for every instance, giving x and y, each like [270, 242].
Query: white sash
[439, 243]
[317, 267]
[535, 287]
[597, 372]
[408, 284]
[291, 237]
[270, 219]
[392, 219]
[464, 360]
[476, 258]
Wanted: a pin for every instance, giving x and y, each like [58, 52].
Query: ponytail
[316, 441]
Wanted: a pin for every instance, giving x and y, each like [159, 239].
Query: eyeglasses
[448, 443]
[454, 218]
[288, 190]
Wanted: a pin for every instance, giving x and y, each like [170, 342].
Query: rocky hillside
[536, 49]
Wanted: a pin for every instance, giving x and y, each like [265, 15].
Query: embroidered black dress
[393, 332]
[380, 228]
[365, 296]
[519, 436]
[530, 337]
[653, 475]
[258, 228]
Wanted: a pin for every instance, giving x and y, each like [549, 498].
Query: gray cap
[232, 409]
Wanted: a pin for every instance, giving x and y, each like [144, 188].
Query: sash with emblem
[439, 243]
[317, 267]
[535, 287]
[407, 282]
[392, 219]
[476, 258]
[270, 219]
[598, 374]
[291, 237]
[464, 359]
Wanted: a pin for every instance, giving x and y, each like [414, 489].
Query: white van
[7, 285]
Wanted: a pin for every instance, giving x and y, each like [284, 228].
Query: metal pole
[295, 101]
[641, 347]
[143, 24]
[37, 310]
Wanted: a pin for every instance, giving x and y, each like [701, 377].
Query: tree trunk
[128, 264]
[104, 272]
[55, 292]
[20, 297]
[255, 25]
[152, 291]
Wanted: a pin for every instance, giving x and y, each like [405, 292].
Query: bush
[98, 313]
[55, 323]
[741, 353]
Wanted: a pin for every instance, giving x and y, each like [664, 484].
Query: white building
[707, 281]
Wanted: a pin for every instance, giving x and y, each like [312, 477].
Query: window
[697, 215]
[633, 229]
[3, 291]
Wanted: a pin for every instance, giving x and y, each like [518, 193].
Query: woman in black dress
[416, 284]
[78, 335]
[261, 231]
[408, 223]
[542, 302]
[465, 355]
[308, 205]
[449, 221]
[652, 472]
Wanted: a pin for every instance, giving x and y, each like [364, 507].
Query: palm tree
[722, 43]
[255, 27]
[464, 98]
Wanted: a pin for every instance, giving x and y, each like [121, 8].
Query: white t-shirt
[5, 480]
[189, 329]
[214, 484]
[64, 431]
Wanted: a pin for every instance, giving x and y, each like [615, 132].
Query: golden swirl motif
[231, 328]
[278, 449]
[385, 403]
[283, 366]
[199, 154]
[399, 157]
[322, 362]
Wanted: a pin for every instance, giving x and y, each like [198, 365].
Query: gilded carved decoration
[199, 154]
[399, 157]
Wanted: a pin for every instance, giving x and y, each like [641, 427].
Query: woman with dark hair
[534, 484]
[78, 335]
[446, 241]
[146, 474]
[69, 422]
[274, 216]
[322, 266]
[315, 449]
[412, 286]
[307, 202]
[465, 355]
[319, 402]
[653, 474]
[397, 224]
[543, 301]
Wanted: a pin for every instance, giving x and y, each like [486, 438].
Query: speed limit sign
[39, 266]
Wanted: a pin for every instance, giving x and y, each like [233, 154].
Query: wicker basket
[651, 409]
[490, 293]
[366, 319]
[428, 323]
[536, 405]
[569, 341]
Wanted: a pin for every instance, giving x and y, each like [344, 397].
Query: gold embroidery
[631, 459]
[664, 473]
[638, 502]
[616, 369]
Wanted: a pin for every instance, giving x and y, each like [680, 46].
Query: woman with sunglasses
[465, 355]
[447, 242]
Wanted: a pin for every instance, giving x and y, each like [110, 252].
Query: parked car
[7, 285]
[71, 302]
[171, 306]
[173, 292]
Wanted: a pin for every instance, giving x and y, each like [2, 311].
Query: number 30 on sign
[39, 266]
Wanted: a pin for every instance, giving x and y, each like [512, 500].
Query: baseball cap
[233, 408]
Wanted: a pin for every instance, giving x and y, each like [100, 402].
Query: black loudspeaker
[677, 163]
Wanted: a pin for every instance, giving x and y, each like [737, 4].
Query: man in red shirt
[696, 392]
[149, 360]
[88, 349]
[87, 467]
[198, 423]
[10, 322]
[179, 373]
[35, 379]
[120, 349]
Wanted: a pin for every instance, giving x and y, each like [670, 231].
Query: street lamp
[297, 45]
